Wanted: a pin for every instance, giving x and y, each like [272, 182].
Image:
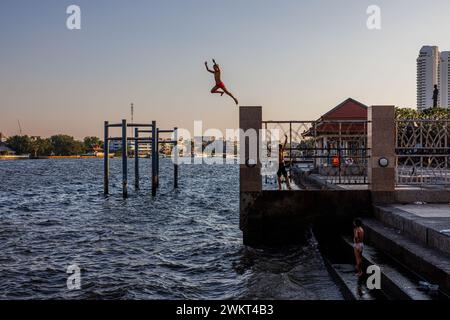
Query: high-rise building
[444, 70]
[427, 76]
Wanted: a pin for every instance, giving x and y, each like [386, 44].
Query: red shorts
[220, 85]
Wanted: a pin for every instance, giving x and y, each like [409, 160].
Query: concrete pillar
[250, 222]
[381, 142]
[250, 172]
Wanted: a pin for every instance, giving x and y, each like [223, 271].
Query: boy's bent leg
[230, 94]
[215, 89]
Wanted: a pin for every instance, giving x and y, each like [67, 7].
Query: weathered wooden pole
[154, 155]
[157, 157]
[136, 158]
[175, 158]
[106, 160]
[124, 159]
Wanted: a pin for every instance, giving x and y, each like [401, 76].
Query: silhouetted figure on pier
[282, 166]
[435, 96]
[219, 82]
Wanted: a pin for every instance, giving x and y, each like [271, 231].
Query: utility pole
[20, 127]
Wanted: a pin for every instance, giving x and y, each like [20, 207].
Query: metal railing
[423, 152]
[335, 151]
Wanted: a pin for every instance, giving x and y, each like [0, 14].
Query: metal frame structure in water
[154, 132]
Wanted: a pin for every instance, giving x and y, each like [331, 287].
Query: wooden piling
[175, 158]
[154, 155]
[124, 159]
[106, 160]
[157, 157]
[136, 158]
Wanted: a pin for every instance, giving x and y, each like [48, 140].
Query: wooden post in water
[136, 158]
[157, 157]
[175, 158]
[106, 160]
[124, 159]
[154, 155]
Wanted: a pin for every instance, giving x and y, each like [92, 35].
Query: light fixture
[383, 162]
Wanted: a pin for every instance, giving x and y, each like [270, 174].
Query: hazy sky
[295, 58]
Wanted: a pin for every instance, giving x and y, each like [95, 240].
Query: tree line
[57, 145]
[427, 114]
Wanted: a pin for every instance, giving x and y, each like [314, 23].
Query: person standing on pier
[219, 82]
[282, 166]
[435, 96]
[358, 239]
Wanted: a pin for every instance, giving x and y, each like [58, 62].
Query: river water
[183, 244]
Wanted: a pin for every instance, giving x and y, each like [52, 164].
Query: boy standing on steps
[358, 239]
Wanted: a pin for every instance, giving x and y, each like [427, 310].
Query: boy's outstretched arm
[206, 65]
[215, 63]
[285, 141]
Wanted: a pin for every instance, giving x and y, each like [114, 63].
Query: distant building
[427, 76]
[4, 149]
[2, 137]
[342, 128]
[144, 148]
[444, 79]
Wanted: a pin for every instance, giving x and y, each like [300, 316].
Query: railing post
[136, 158]
[381, 143]
[106, 160]
[124, 159]
[175, 158]
[154, 155]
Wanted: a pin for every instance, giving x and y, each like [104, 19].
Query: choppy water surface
[182, 244]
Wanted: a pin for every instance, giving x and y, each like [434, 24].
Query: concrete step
[432, 265]
[396, 282]
[426, 224]
[351, 287]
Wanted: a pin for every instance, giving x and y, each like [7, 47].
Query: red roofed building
[340, 137]
[350, 109]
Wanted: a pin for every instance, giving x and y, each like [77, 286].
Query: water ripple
[184, 244]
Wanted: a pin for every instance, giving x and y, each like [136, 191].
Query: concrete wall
[280, 218]
[411, 196]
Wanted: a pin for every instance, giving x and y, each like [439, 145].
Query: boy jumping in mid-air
[219, 82]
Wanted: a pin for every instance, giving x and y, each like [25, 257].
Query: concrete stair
[351, 287]
[426, 229]
[426, 263]
[396, 282]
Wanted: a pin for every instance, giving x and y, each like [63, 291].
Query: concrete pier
[280, 218]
